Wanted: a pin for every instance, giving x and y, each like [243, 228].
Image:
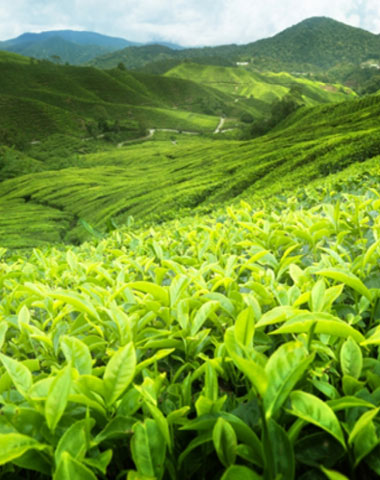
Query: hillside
[318, 42]
[39, 99]
[315, 44]
[264, 86]
[157, 180]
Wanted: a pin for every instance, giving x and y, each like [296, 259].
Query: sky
[184, 22]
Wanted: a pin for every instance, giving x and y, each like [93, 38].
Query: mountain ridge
[314, 44]
[73, 46]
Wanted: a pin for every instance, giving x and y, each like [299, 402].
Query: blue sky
[187, 22]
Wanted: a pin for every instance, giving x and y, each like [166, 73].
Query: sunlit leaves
[311, 409]
[58, 396]
[119, 372]
[13, 445]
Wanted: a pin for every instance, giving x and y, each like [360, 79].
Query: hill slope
[159, 179]
[40, 99]
[264, 86]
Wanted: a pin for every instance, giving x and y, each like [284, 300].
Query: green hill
[160, 179]
[39, 98]
[315, 44]
[264, 86]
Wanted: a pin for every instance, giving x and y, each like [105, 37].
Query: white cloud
[188, 22]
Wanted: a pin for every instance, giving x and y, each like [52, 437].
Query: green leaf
[159, 293]
[243, 432]
[161, 422]
[318, 296]
[23, 315]
[365, 441]
[118, 427]
[75, 440]
[277, 315]
[57, 397]
[202, 315]
[333, 474]
[239, 472]
[282, 451]
[196, 442]
[225, 442]
[148, 449]
[13, 445]
[245, 327]
[351, 385]
[71, 469]
[351, 358]
[324, 324]
[119, 373]
[374, 339]
[19, 373]
[254, 372]
[77, 301]
[133, 475]
[344, 403]
[313, 410]
[3, 332]
[349, 279]
[100, 462]
[78, 353]
[361, 423]
[284, 369]
[176, 289]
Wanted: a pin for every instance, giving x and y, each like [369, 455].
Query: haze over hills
[74, 47]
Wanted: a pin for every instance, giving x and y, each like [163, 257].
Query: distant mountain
[70, 46]
[315, 44]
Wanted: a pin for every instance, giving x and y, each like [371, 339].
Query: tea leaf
[19, 373]
[119, 373]
[225, 442]
[13, 445]
[71, 469]
[284, 369]
[351, 358]
[311, 409]
[57, 397]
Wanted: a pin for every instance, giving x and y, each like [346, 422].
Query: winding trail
[220, 125]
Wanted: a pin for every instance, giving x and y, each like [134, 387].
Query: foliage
[238, 345]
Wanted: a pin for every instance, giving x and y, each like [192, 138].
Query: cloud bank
[186, 22]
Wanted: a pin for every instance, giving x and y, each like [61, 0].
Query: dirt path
[147, 137]
[152, 132]
[220, 125]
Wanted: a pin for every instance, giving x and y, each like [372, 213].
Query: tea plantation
[187, 305]
[242, 344]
